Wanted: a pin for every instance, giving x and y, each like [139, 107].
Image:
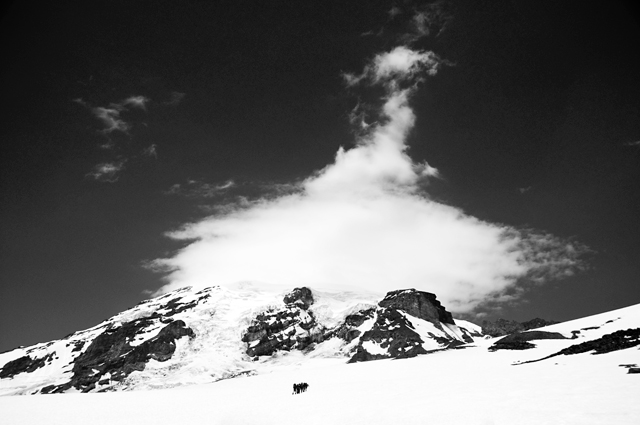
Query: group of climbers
[300, 388]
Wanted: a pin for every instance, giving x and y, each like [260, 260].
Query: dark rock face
[393, 332]
[303, 297]
[615, 341]
[422, 305]
[347, 331]
[518, 341]
[610, 342]
[286, 328]
[396, 335]
[295, 327]
[24, 364]
[174, 306]
[468, 335]
[111, 353]
[290, 327]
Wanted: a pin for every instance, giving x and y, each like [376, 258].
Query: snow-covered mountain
[188, 337]
[583, 371]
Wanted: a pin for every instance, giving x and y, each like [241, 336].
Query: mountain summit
[583, 371]
[187, 337]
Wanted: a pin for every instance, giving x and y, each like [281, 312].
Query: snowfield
[469, 385]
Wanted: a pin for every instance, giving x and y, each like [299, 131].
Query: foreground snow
[465, 386]
[470, 386]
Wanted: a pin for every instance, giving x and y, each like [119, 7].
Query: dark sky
[536, 124]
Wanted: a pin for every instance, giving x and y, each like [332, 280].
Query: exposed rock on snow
[348, 330]
[289, 327]
[24, 364]
[111, 354]
[394, 336]
[408, 323]
[615, 341]
[302, 297]
[422, 305]
[518, 341]
[388, 331]
[143, 347]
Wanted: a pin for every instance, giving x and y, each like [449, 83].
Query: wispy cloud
[117, 120]
[151, 151]
[111, 116]
[195, 188]
[111, 119]
[136, 102]
[175, 99]
[636, 143]
[430, 19]
[233, 194]
[107, 172]
[363, 222]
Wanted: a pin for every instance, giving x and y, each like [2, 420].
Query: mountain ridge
[186, 337]
[189, 337]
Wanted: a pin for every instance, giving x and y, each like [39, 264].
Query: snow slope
[218, 318]
[469, 386]
[463, 386]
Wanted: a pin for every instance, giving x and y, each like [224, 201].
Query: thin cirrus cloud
[151, 151]
[111, 116]
[136, 102]
[111, 120]
[113, 123]
[108, 172]
[175, 98]
[364, 223]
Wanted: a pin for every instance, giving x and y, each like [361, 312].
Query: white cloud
[362, 222]
[136, 102]
[403, 63]
[391, 68]
[110, 117]
[107, 171]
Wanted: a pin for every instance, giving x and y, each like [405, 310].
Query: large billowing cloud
[364, 223]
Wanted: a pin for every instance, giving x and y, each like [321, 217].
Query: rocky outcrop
[24, 364]
[302, 297]
[348, 331]
[519, 341]
[393, 334]
[292, 326]
[111, 357]
[405, 323]
[615, 341]
[610, 342]
[422, 305]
